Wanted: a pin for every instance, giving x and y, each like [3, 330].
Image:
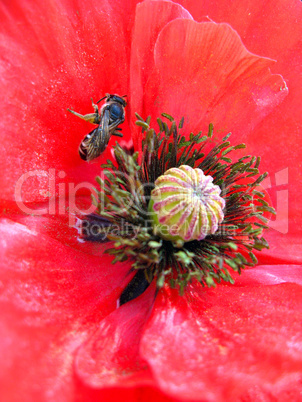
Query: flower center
[186, 205]
[201, 224]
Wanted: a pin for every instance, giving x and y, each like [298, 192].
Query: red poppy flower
[62, 337]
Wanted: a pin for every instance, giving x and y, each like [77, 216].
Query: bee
[111, 115]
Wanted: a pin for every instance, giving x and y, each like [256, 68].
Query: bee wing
[97, 140]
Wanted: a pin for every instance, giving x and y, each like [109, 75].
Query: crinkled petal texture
[52, 298]
[242, 353]
[62, 337]
[212, 77]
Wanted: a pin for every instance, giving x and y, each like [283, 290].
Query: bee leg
[93, 118]
[117, 134]
[115, 124]
[95, 107]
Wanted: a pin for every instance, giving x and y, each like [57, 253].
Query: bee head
[114, 98]
[117, 98]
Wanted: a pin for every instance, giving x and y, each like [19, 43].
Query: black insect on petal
[111, 115]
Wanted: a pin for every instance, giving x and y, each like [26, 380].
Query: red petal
[205, 74]
[270, 275]
[150, 19]
[267, 27]
[52, 297]
[284, 249]
[111, 357]
[227, 342]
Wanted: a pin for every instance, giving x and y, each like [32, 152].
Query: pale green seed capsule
[185, 205]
